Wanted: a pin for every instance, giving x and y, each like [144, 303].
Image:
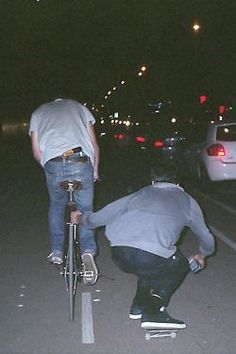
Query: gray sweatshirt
[152, 219]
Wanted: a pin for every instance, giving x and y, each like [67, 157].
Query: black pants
[158, 275]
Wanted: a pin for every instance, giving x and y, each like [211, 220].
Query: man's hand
[200, 258]
[95, 176]
[75, 216]
[37, 153]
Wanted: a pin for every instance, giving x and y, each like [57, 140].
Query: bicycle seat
[71, 185]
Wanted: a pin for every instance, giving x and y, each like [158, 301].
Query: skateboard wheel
[147, 336]
[173, 334]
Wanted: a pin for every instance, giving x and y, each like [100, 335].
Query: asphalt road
[34, 307]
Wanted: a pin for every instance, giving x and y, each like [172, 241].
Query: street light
[196, 27]
[143, 68]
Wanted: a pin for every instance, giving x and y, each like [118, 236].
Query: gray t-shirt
[152, 219]
[62, 125]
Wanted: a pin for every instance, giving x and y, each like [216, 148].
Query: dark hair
[164, 171]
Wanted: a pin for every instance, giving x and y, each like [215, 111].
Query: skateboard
[160, 333]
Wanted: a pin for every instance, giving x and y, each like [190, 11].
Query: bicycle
[73, 270]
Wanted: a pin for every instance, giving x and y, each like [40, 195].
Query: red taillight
[140, 139]
[158, 143]
[119, 136]
[216, 150]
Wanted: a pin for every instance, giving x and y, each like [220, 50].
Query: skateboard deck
[160, 333]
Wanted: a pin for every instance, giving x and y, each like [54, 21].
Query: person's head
[164, 171]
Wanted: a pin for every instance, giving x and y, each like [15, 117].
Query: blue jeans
[156, 274]
[55, 172]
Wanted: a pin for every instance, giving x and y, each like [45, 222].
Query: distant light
[159, 143]
[140, 139]
[114, 88]
[143, 68]
[196, 27]
[222, 109]
[109, 92]
[122, 82]
[116, 115]
[140, 73]
[119, 136]
[173, 120]
[202, 99]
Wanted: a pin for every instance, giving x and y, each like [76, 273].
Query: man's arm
[102, 217]
[37, 153]
[92, 134]
[198, 226]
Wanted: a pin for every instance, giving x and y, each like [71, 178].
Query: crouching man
[143, 229]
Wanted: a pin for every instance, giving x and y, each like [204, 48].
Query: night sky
[81, 48]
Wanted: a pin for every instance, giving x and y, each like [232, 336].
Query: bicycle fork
[71, 270]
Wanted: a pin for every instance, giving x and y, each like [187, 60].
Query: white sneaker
[90, 275]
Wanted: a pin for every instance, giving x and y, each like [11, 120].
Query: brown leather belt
[70, 158]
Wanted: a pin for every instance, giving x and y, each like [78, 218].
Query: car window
[226, 133]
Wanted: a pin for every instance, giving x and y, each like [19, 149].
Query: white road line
[217, 233]
[223, 238]
[217, 202]
[222, 205]
[87, 319]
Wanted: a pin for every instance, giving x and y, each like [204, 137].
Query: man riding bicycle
[64, 143]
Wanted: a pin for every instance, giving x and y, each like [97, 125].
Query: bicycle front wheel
[71, 269]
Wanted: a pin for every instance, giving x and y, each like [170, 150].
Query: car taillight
[216, 150]
[119, 136]
[140, 139]
[159, 143]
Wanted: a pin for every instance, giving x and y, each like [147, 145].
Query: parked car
[208, 153]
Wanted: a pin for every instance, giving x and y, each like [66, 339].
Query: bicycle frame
[72, 268]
